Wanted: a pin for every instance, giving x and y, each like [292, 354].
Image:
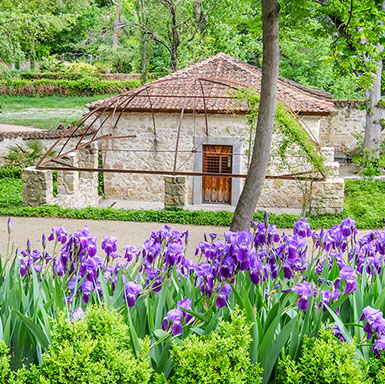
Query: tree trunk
[373, 127]
[173, 36]
[115, 38]
[144, 70]
[374, 113]
[268, 99]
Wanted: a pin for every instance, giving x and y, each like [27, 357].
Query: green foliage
[5, 371]
[374, 370]
[96, 349]
[51, 64]
[324, 360]
[120, 59]
[5, 73]
[367, 164]
[291, 135]
[10, 172]
[80, 67]
[86, 85]
[52, 75]
[43, 112]
[365, 202]
[294, 134]
[10, 193]
[220, 357]
[25, 156]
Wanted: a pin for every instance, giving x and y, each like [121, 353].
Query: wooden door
[217, 159]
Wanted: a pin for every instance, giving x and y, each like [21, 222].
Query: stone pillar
[88, 181]
[175, 192]
[328, 196]
[37, 187]
[68, 183]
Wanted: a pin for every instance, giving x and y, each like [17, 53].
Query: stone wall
[175, 192]
[148, 151]
[46, 137]
[314, 197]
[74, 189]
[339, 129]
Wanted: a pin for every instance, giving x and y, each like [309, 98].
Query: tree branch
[147, 32]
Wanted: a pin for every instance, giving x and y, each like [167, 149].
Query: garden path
[128, 233]
[16, 128]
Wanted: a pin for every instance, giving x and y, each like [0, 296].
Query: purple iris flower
[154, 278]
[375, 323]
[304, 290]
[348, 274]
[223, 295]
[77, 315]
[174, 253]
[302, 228]
[186, 304]
[337, 332]
[9, 226]
[151, 249]
[175, 317]
[348, 227]
[258, 271]
[130, 252]
[243, 238]
[59, 233]
[379, 344]
[110, 245]
[132, 292]
[26, 264]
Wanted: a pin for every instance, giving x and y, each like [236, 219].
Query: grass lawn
[44, 112]
[364, 202]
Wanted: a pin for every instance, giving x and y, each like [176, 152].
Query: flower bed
[288, 287]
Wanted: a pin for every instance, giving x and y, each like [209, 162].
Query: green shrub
[221, 357]
[83, 86]
[80, 67]
[22, 156]
[10, 172]
[94, 350]
[53, 75]
[5, 371]
[324, 360]
[374, 370]
[10, 193]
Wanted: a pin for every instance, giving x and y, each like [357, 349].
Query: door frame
[198, 165]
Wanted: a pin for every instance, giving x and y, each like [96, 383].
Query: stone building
[190, 125]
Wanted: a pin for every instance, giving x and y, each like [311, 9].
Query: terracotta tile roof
[211, 77]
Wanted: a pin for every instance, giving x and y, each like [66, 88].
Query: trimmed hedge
[84, 86]
[10, 173]
[54, 76]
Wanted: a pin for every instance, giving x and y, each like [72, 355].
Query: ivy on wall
[291, 133]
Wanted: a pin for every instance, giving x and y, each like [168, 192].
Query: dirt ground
[127, 233]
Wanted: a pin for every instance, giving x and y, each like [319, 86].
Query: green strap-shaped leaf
[38, 333]
[276, 348]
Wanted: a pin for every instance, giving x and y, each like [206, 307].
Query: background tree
[268, 98]
[359, 47]
[174, 24]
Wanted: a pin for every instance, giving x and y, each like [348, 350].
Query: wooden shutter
[217, 159]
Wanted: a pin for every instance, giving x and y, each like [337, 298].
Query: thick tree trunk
[373, 115]
[174, 37]
[144, 70]
[257, 172]
[115, 37]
